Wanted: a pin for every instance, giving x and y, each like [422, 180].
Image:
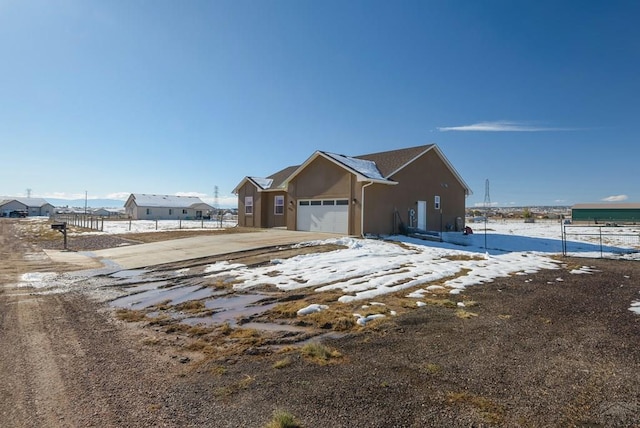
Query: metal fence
[111, 225]
[599, 239]
[81, 220]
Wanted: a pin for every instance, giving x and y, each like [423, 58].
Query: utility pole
[487, 204]
[215, 204]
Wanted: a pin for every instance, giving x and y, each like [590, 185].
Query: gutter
[362, 209]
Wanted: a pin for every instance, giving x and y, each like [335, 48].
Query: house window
[304, 203]
[248, 205]
[342, 202]
[316, 202]
[436, 202]
[148, 211]
[184, 211]
[279, 205]
[328, 202]
[170, 211]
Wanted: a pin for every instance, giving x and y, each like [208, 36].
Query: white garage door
[329, 215]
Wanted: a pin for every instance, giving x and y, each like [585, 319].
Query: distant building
[21, 207]
[140, 206]
[603, 213]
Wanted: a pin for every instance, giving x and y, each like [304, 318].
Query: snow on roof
[145, 200]
[363, 167]
[265, 183]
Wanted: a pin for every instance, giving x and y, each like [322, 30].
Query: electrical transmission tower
[487, 197]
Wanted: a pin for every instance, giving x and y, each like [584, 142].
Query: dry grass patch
[192, 306]
[319, 353]
[283, 419]
[463, 257]
[280, 364]
[491, 412]
[130, 315]
[238, 386]
[431, 368]
[218, 370]
[461, 313]
[198, 330]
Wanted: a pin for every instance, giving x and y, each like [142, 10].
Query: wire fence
[605, 240]
[107, 225]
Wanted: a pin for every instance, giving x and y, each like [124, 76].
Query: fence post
[600, 229]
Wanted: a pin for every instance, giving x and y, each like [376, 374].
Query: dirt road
[63, 362]
[532, 352]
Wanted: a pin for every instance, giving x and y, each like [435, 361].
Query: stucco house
[30, 206]
[140, 206]
[375, 194]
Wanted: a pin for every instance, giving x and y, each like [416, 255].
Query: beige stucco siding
[421, 180]
[270, 218]
[249, 220]
[321, 179]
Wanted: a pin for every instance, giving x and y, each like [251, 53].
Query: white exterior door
[323, 216]
[422, 215]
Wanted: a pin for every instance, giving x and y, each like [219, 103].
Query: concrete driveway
[175, 250]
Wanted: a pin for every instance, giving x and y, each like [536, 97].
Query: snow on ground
[140, 226]
[368, 268]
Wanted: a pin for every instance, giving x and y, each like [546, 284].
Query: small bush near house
[283, 419]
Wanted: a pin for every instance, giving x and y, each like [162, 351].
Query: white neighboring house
[30, 206]
[140, 206]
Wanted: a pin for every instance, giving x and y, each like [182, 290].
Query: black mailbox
[59, 226]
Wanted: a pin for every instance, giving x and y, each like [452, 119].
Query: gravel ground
[543, 353]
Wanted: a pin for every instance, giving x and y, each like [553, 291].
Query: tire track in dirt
[63, 362]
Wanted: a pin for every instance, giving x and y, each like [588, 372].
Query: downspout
[362, 209]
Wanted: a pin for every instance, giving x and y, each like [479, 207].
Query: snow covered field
[369, 268]
[139, 226]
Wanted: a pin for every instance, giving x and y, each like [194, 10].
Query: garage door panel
[330, 218]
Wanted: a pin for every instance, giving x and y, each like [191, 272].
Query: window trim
[436, 202]
[248, 205]
[278, 202]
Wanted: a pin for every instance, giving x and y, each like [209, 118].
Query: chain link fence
[605, 240]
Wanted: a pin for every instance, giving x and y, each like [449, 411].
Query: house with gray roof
[28, 206]
[141, 206]
[379, 193]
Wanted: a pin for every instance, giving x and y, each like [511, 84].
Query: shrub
[319, 352]
[283, 419]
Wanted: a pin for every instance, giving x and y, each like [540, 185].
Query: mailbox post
[62, 228]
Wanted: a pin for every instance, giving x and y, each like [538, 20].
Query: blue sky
[177, 97]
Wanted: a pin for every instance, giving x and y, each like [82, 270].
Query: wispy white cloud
[482, 204]
[502, 126]
[615, 198]
[118, 195]
[61, 195]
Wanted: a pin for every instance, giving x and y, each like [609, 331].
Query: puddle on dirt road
[130, 273]
[230, 309]
[274, 327]
[174, 295]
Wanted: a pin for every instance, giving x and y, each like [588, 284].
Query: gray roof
[165, 201]
[29, 202]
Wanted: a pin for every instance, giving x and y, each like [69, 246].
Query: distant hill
[91, 203]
